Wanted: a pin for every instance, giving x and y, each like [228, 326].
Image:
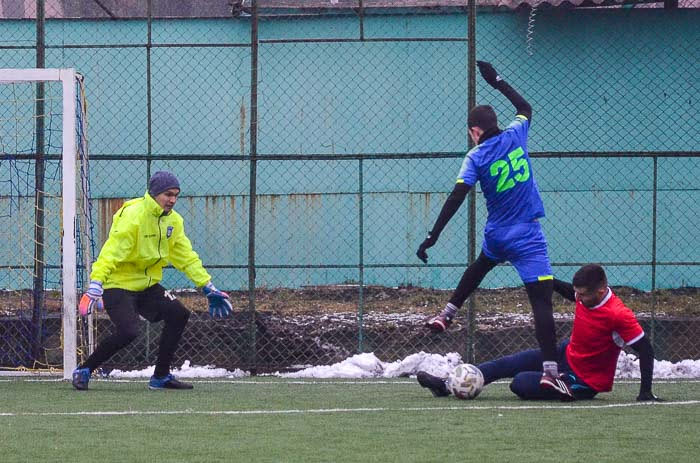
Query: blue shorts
[523, 245]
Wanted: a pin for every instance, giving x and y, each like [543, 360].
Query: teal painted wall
[613, 80]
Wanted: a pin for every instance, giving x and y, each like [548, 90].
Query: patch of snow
[628, 367]
[367, 365]
[185, 371]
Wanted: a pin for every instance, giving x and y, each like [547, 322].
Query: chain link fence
[316, 145]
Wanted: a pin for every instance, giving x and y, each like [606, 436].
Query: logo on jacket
[169, 232]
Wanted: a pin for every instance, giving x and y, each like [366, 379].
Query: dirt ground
[680, 302]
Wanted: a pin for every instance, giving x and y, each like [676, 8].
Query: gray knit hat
[161, 181]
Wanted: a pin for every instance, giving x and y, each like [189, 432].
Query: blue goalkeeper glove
[92, 299]
[219, 304]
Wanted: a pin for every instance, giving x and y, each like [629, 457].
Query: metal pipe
[39, 169]
[471, 233]
[253, 181]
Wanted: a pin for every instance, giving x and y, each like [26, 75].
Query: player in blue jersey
[501, 164]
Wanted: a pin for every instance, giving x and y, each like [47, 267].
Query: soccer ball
[465, 381]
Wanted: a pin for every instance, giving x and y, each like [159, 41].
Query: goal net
[45, 233]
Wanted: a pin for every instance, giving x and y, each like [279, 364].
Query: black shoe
[436, 385]
[559, 384]
[168, 382]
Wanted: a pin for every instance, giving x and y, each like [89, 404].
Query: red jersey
[598, 335]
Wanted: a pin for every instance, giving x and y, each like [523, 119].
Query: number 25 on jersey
[502, 170]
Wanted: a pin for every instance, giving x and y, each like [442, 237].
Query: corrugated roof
[333, 4]
[26, 9]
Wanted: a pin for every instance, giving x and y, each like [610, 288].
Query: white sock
[449, 311]
[550, 368]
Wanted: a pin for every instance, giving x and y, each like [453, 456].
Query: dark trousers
[154, 304]
[539, 293]
[525, 368]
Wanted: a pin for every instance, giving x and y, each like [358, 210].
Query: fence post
[149, 43]
[653, 250]
[39, 167]
[253, 182]
[471, 233]
[360, 301]
[360, 313]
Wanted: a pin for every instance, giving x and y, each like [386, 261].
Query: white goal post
[68, 251]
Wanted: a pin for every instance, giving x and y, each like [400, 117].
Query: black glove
[648, 396]
[488, 73]
[427, 243]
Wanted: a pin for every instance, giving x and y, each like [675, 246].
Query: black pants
[154, 304]
[539, 293]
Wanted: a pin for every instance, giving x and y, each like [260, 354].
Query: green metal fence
[316, 147]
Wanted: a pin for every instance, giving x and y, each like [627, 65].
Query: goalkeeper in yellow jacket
[146, 235]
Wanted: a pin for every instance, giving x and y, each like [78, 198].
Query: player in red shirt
[602, 326]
